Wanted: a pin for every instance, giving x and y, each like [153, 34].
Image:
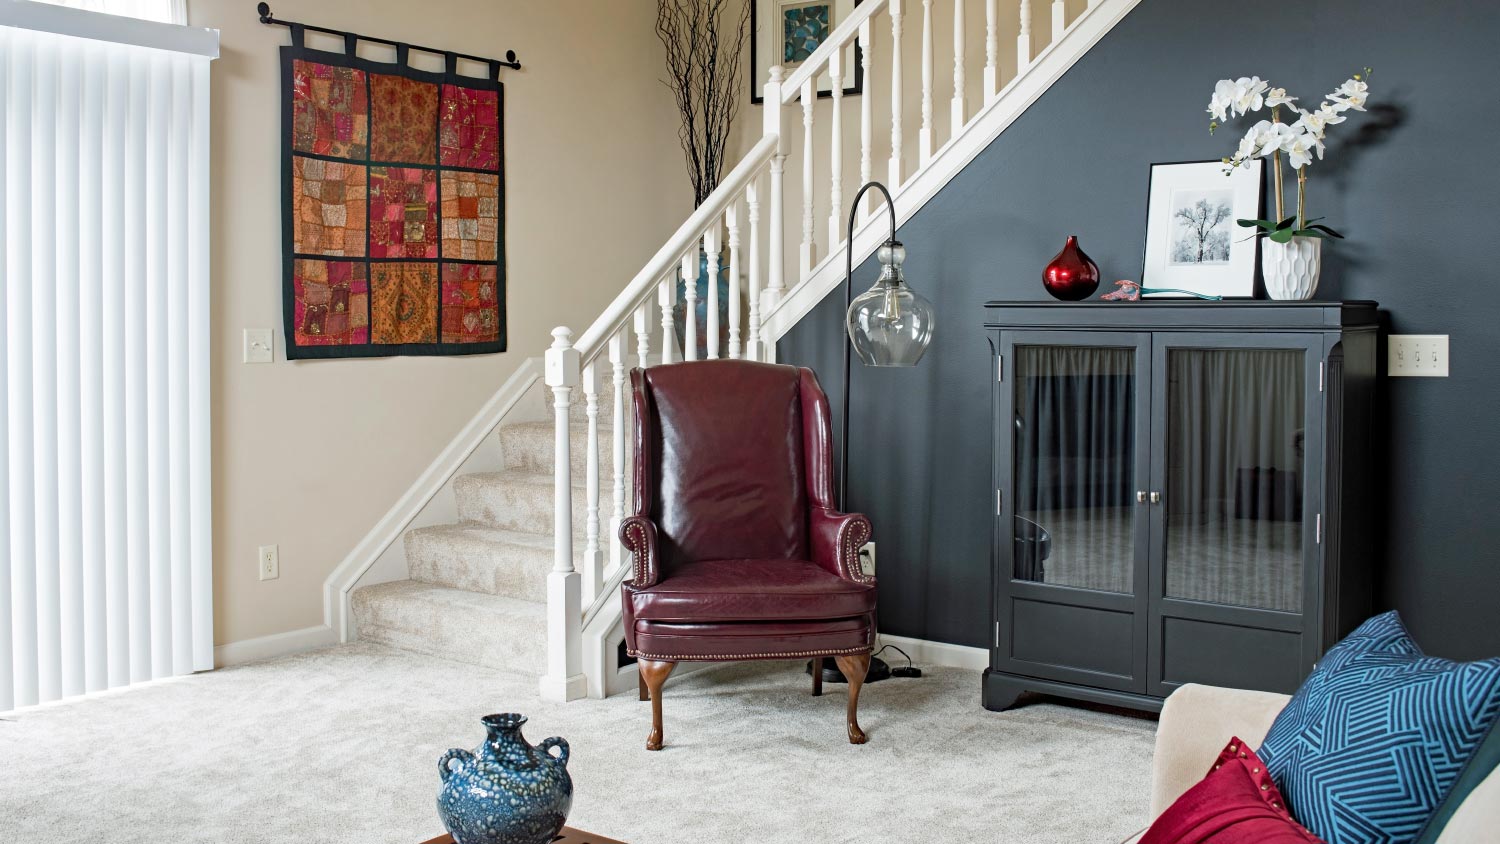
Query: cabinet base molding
[1002, 691]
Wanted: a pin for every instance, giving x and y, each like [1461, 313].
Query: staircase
[525, 576]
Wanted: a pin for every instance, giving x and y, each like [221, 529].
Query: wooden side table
[569, 835]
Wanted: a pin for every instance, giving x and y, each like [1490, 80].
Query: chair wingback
[723, 450]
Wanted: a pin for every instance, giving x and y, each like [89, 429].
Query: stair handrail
[815, 64]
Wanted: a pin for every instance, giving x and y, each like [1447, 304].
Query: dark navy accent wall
[1415, 185]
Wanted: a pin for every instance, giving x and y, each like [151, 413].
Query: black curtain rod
[264, 10]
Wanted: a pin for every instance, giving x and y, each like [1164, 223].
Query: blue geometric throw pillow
[1373, 741]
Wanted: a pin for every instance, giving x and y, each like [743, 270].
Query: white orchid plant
[1301, 141]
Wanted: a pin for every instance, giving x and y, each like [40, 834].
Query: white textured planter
[1291, 269]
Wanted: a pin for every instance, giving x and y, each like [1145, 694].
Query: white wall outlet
[269, 562]
[1418, 355]
[258, 345]
[867, 559]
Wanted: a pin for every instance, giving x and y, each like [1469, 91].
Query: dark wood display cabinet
[1185, 493]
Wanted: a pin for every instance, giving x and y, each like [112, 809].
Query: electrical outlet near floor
[1418, 355]
[867, 559]
[269, 562]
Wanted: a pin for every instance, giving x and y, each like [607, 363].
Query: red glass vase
[1071, 276]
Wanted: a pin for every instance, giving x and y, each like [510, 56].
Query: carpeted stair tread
[529, 446]
[480, 558]
[521, 501]
[470, 627]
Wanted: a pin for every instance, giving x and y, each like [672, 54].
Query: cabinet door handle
[1140, 496]
[1155, 497]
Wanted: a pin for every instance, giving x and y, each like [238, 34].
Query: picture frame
[772, 39]
[1192, 240]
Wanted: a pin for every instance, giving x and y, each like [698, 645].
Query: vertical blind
[104, 432]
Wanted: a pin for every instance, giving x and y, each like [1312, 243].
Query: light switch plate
[1420, 355]
[258, 345]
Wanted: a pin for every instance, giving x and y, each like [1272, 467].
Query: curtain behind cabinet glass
[1234, 476]
[1074, 455]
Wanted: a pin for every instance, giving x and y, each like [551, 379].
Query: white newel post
[564, 679]
[776, 233]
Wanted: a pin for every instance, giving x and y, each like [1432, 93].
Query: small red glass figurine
[1071, 276]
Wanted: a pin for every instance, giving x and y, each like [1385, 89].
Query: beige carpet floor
[341, 745]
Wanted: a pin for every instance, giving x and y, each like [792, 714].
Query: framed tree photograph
[786, 32]
[1192, 241]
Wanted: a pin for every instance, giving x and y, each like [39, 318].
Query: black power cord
[907, 670]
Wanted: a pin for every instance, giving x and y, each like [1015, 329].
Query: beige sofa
[1197, 721]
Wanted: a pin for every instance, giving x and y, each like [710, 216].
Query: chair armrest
[638, 533]
[836, 540]
[1196, 722]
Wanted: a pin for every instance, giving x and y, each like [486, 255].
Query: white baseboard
[927, 652]
[276, 644]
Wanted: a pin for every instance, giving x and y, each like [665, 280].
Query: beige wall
[308, 455]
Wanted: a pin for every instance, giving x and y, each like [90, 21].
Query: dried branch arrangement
[704, 39]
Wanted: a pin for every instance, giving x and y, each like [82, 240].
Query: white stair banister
[732, 225]
[809, 251]
[690, 305]
[643, 335]
[711, 251]
[619, 353]
[1023, 40]
[836, 151]
[959, 109]
[564, 679]
[664, 293]
[752, 212]
[593, 560]
[991, 49]
[924, 135]
[866, 110]
[1059, 20]
[894, 174]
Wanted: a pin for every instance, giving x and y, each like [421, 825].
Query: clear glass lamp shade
[889, 324]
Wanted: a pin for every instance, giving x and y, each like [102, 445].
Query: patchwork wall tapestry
[393, 207]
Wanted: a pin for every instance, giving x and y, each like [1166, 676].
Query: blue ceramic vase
[506, 791]
[679, 310]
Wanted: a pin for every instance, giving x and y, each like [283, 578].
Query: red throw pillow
[1235, 804]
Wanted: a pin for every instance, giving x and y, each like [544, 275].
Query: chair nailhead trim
[729, 657]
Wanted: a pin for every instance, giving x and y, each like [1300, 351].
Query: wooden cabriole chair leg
[640, 677]
[817, 672]
[854, 669]
[654, 675]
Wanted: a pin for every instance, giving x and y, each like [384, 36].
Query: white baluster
[664, 295]
[776, 234]
[619, 354]
[991, 49]
[959, 109]
[752, 203]
[643, 335]
[732, 225]
[711, 251]
[866, 117]
[894, 174]
[1059, 20]
[836, 155]
[924, 135]
[564, 679]
[1023, 41]
[593, 561]
[809, 98]
[690, 306]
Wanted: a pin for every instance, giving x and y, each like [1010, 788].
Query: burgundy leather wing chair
[738, 550]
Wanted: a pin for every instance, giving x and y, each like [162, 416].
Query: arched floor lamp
[887, 325]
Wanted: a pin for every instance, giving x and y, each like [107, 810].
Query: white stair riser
[461, 560]
[464, 631]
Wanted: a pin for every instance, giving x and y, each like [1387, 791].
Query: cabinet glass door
[1232, 521]
[1075, 451]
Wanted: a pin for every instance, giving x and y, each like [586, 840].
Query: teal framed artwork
[787, 32]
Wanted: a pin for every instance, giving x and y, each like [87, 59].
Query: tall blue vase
[679, 310]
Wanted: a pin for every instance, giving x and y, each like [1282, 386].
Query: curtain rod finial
[264, 10]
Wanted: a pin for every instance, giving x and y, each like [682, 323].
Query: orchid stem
[1301, 196]
[1276, 172]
